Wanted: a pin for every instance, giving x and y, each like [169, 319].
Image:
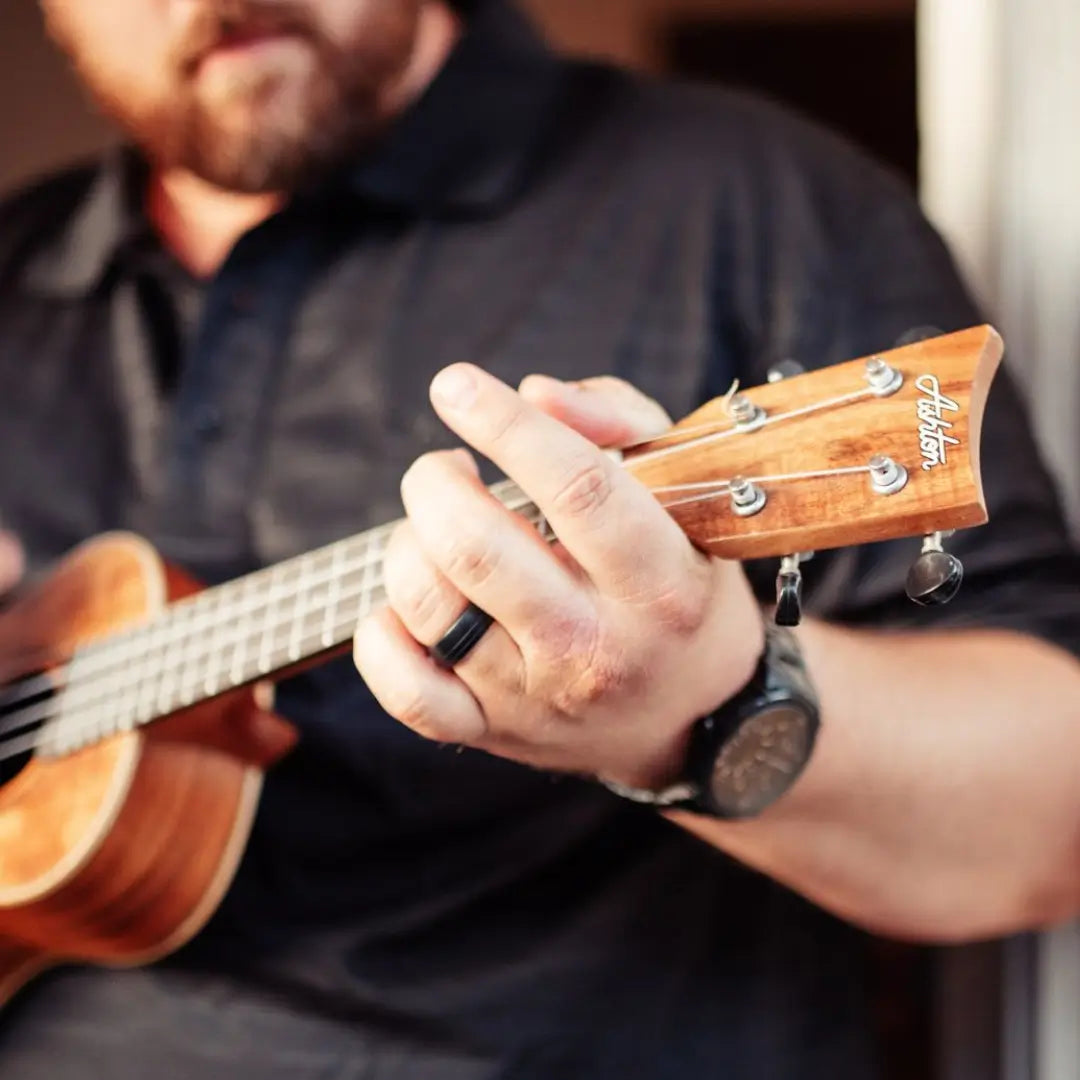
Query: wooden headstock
[806, 445]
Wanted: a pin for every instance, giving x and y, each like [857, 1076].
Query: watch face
[762, 759]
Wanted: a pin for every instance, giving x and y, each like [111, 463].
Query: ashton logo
[934, 437]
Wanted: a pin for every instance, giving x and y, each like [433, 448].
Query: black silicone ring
[460, 640]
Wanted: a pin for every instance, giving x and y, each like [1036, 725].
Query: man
[225, 342]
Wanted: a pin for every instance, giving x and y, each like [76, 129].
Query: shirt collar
[465, 147]
[108, 216]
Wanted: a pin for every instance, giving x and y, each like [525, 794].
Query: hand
[12, 562]
[608, 645]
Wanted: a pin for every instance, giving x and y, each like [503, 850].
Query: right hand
[12, 562]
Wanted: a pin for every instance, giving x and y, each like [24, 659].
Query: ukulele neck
[256, 627]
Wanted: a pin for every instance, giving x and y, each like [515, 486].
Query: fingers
[398, 671]
[607, 520]
[425, 601]
[12, 562]
[606, 410]
[488, 554]
[428, 604]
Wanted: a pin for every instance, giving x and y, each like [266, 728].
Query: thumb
[607, 411]
[12, 562]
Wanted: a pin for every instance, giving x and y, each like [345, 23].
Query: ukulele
[136, 713]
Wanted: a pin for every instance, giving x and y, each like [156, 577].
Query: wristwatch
[750, 751]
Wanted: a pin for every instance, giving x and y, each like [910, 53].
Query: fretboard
[227, 637]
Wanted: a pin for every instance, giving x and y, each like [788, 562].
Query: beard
[273, 123]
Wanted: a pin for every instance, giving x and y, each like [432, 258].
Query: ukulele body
[120, 853]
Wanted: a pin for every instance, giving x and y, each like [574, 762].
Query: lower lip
[246, 49]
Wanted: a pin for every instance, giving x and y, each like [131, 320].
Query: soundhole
[24, 708]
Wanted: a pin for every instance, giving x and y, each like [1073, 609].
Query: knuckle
[422, 603]
[471, 559]
[587, 491]
[681, 611]
[412, 584]
[603, 679]
[506, 421]
[584, 666]
[562, 637]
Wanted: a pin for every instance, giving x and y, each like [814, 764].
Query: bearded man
[223, 335]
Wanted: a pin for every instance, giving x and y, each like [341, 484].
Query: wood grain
[836, 511]
[119, 853]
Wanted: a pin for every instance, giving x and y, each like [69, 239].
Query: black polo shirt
[403, 910]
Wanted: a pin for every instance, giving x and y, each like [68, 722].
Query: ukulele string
[720, 488]
[102, 678]
[700, 435]
[699, 440]
[54, 678]
[87, 716]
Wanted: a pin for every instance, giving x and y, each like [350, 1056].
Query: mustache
[217, 22]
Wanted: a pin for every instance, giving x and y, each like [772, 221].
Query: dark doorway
[856, 74]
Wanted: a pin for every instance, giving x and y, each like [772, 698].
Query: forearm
[943, 798]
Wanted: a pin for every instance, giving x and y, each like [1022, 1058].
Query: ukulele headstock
[877, 448]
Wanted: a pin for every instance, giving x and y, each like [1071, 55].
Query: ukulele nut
[883, 379]
[886, 476]
[747, 499]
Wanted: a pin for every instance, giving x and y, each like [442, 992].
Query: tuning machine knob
[786, 369]
[789, 590]
[935, 576]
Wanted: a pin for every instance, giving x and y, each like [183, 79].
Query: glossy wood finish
[823, 512]
[119, 853]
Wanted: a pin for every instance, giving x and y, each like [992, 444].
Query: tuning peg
[786, 369]
[935, 576]
[789, 592]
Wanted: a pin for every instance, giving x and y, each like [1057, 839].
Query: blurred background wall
[977, 103]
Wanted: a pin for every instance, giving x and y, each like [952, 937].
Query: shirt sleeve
[875, 273]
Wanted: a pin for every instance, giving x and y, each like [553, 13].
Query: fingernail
[455, 387]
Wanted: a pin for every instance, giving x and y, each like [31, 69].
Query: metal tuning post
[884, 380]
[747, 499]
[789, 592]
[935, 576]
[747, 416]
[887, 477]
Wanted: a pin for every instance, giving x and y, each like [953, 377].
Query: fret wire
[266, 641]
[364, 606]
[167, 678]
[236, 667]
[215, 646]
[299, 600]
[334, 596]
[149, 673]
[191, 647]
